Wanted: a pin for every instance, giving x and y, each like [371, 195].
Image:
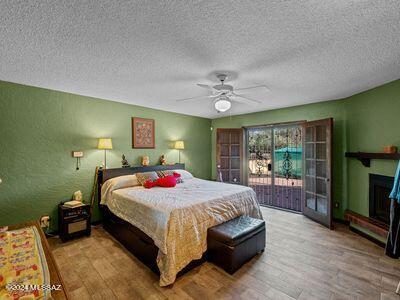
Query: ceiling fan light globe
[222, 105]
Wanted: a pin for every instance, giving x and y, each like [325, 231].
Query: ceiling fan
[223, 94]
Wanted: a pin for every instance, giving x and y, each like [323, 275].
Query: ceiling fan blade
[253, 87]
[243, 97]
[193, 98]
[206, 86]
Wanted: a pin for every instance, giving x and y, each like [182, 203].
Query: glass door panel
[310, 167]
[322, 205]
[259, 160]
[235, 151]
[320, 169]
[288, 166]
[320, 186]
[309, 135]
[310, 150]
[224, 150]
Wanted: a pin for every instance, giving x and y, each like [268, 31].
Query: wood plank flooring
[302, 260]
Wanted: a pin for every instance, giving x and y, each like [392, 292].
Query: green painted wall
[372, 122]
[363, 122]
[39, 128]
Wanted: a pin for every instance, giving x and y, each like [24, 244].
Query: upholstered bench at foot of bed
[233, 243]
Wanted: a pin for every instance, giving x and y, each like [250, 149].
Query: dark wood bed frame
[135, 240]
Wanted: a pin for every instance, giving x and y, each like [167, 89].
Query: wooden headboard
[104, 175]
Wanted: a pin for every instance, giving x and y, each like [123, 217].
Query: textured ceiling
[152, 52]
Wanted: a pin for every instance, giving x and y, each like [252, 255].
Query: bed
[166, 228]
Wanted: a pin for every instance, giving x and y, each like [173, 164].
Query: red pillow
[148, 184]
[168, 181]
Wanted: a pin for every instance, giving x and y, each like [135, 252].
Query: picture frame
[143, 133]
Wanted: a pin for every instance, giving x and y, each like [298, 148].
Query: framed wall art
[143, 135]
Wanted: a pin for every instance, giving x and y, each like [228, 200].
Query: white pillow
[184, 174]
[117, 183]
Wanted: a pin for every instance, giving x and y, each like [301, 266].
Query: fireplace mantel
[365, 157]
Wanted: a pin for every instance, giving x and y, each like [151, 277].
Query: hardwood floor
[302, 260]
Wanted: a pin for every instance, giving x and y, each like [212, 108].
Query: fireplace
[379, 203]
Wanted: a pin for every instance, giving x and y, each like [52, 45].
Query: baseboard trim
[341, 221]
[368, 237]
[281, 208]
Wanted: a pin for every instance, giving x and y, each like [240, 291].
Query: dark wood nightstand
[73, 222]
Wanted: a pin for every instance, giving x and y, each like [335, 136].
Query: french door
[288, 166]
[317, 156]
[229, 155]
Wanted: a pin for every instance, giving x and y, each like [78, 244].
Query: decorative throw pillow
[166, 173]
[166, 182]
[145, 176]
[178, 177]
[148, 184]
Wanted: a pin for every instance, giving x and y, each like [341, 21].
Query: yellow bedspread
[23, 267]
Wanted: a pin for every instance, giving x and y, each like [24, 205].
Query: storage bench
[233, 243]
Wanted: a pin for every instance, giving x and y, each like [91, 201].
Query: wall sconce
[77, 155]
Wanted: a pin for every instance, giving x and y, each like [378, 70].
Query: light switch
[77, 154]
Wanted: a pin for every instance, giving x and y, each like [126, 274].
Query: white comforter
[177, 218]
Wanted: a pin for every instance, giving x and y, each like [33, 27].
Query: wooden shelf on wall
[365, 157]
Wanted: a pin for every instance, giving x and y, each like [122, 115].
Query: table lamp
[105, 144]
[179, 145]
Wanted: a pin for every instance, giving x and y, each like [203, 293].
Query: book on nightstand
[73, 203]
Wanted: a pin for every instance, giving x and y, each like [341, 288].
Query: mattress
[177, 218]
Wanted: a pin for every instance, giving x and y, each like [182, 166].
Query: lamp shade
[180, 145]
[105, 144]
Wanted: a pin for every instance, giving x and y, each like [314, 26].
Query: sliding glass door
[274, 165]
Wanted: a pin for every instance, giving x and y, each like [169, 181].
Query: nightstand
[73, 222]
